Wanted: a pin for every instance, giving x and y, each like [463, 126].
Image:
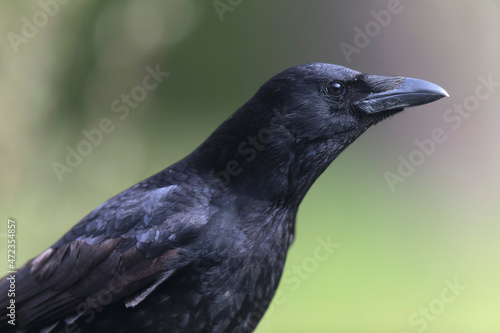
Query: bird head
[322, 101]
[298, 122]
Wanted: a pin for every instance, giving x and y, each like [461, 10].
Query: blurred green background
[397, 246]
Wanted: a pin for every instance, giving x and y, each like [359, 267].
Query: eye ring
[335, 89]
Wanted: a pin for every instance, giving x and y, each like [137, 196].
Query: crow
[201, 245]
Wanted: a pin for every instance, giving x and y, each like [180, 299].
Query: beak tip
[441, 92]
[418, 87]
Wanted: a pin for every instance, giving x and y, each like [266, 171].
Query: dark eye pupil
[335, 89]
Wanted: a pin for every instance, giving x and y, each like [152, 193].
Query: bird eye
[335, 89]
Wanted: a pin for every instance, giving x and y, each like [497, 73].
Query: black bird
[200, 246]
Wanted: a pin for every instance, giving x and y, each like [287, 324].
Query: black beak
[410, 92]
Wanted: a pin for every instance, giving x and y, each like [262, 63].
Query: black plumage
[200, 246]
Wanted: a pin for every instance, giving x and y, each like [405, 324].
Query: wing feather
[121, 251]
